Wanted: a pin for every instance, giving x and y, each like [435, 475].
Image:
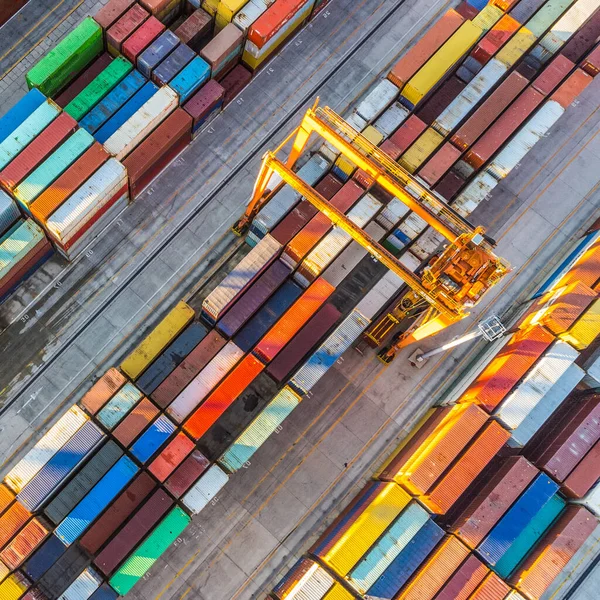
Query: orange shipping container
[103, 390]
[566, 94]
[507, 368]
[440, 566]
[293, 320]
[223, 396]
[24, 543]
[467, 468]
[423, 468]
[12, 521]
[171, 457]
[425, 48]
[6, 497]
[271, 21]
[586, 269]
[492, 588]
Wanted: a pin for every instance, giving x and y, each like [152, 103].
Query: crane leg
[300, 142]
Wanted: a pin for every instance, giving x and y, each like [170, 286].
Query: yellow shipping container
[445, 58]
[210, 6]
[373, 135]
[158, 339]
[12, 588]
[516, 47]
[488, 17]
[585, 330]
[425, 145]
[226, 10]
[4, 571]
[337, 592]
[345, 166]
[366, 529]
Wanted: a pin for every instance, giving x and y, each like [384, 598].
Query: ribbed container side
[423, 147]
[104, 592]
[112, 12]
[187, 473]
[9, 212]
[465, 581]
[63, 572]
[11, 522]
[65, 461]
[45, 448]
[118, 512]
[205, 489]
[14, 586]
[266, 423]
[306, 579]
[156, 52]
[586, 329]
[379, 295]
[157, 340]
[17, 115]
[553, 74]
[142, 522]
[124, 27]
[102, 391]
[487, 17]
[16, 245]
[43, 558]
[141, 38]
[377, 100]
[113, 412]
[391, 118]
[244, 18]
[6, 497]
[579, 265]
[153, 438]
[83, 587]
[492, 588]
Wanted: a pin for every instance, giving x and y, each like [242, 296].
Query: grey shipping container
[64, 572]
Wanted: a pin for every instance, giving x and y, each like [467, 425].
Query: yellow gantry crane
[452, 282]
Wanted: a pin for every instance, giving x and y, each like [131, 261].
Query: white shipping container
[52, 441]
[591, 500]
[356, 121]
[471, 95]
[410, 261]
[306, 584]
[592, 370]
[525, 139]
[412, 226]
[391, 119]
[248, 14]
[378, 99]
[83, 587]
[392, 213]
[142, 123]
[539, 380]
[475, 193]
[427, 244]
[379, 295]
[206, 488]
[247, 270]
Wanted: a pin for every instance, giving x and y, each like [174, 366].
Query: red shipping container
[156, 7]
[494, 39]
[293, 320]
[319, 225]
[553, 74]
[271, 21]
[408, 132]
[195, 361]
[493, 500]
[553, 552]
[449, 185]
[223, 396]
[6, 497]
[11, 522]
[508, 367]
[425, 48]
[158, 150]
[124, 27]
[204, 101]
[584, 476]
[103, 390]
[439, 163]
[136, 43]
[466, 11]
[584, 39]
[118, 512]
[24, 543]
[514, 116]
[135, 422]
[112, 12]
[235, 81]
[37, 151]
[363, 179]
[492, 588]
[303, 342]
[187, 473]
[81, 170]
[440, 100]
[391, 149]
[81, 82]
[465, 581]
[476, 457]
[575, 84]
[591, 63]
[136, 529]
[171, 457]
[196, 30]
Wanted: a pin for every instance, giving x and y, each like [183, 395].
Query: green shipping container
[98, 88]
[67, 59]
[550, 12]
[138, 563]
[530, 536]
[52, 168]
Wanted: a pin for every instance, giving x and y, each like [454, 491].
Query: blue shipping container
[39, 489]
[19, 112]
[407, 562]
[267, 316]
[153, 438]
[104, 592]
[158, 50]
[506, 531]
[46, 555]
[168, 68]
[99, 497]
[164, 365]
[478, 4]
[126, 112]
[115, 99]
[9, 212]
[190, 79]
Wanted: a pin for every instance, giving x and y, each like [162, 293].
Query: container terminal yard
[230, 230]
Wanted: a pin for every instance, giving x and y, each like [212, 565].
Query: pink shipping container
[425, 48]
[124, 27]
[553, 74]
[391, 149]
[492, 588]
[494, 39]
[102, 391]
[436, 167]
[171, 457]
[465, 581]
[196, 30]
[112, 12]
[187, 473]
[591, 63]
[140, 416]
[206, 101]
[584, 476]
[571, 88]
[142, 38]
[408, 132]
[24, 543]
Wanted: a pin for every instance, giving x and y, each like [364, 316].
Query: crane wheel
[385, 357]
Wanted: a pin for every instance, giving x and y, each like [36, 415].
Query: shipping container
[389, 121]
[223, 51]
[63, 572]
[156, 52]
[173, 64]
[196, 30]
[492, 588]
[553, 75]
[205, 490]
[143, 36]
[67, 58]
[205, 104]
[234, 82]
[11, 521]
[104, 592]
[584, 476]
[465, 580]
[143, 520]
[47, 555]
[306, 578]
[423, 147]
[113, 412]
[439, 100]
[187, 473]
[586, 329]
[14, 586]
[253, 9]
[135, 422]
[83, 587]
[410, 130]
[190, 78]
[102, 391]
[159, 432]
[125, 27]
[6, 497]
[24, 543]
[20, 112]
[112, 12]
[171, 457]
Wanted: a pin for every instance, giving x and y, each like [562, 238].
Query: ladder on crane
[452, 282]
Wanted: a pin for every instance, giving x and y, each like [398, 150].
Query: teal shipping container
[545, 17]
[115, 410]
[189, 80]
[17, 242]
[19, 112]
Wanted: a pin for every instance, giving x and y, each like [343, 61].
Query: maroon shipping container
[553, 74]
[528, 71]
[158, 150]
[120, 510]
[449, 185]
[114, 10]
[124, 27]
[25, 267]
[439, 163]
[584, 476]
[363, 179]
[571, 88]
[408, 132]
[302, 343]
[196, 360]
[187, 473]
[102, 391]
[466, 10]
[235, 81]
[514, 116]
[493, 500]
[440, 100]
[37, 151]
[584, 39]
[204, 101]
[465, 581]
[196, 30]
[591, 64]
[391, 149]
[81, 82]
[136, 43]
[135, 530]
[135, 422]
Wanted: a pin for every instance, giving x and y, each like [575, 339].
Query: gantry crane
[453, 281]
